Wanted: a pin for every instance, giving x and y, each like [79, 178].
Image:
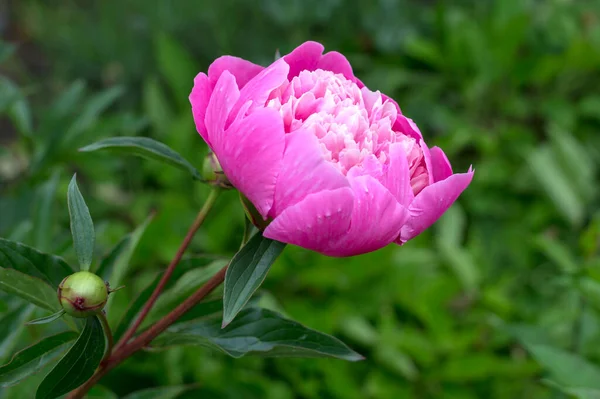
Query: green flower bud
[212, 172]
[83, 294]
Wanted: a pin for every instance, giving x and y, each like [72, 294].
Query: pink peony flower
[336, 166]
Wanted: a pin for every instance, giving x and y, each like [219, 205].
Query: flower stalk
[171, 268]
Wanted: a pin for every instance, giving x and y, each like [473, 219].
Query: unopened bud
[83, 294]
[213, 173]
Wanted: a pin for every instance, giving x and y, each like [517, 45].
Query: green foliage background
[480, 306]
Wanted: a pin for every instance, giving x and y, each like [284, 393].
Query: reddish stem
[147, 336]
[170, 269]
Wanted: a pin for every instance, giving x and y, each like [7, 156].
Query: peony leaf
[146, 148]
[43, 213]
[257, 331]
[12, 324]
[82, 226]
[78, 365]
[50, 268]
[47, 319]
[31, 289]
[31, 359]
[246, 272]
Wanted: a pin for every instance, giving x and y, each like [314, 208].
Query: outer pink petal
[432, 202]
[427, 159]
[397, 179]
[406, 125]
[199, 98]
[250, 153]
[257, 90]
[376, 219]
[241, 69]
[315, 222]
[303, 172]
[440, 165]
[222, 100]
[305, 56]
[336, 63]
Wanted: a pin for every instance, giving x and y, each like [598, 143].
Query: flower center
[353, 125]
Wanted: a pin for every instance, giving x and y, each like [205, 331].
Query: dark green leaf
[158, 393]
[246, 273]
[47, 319]
[31, 289]
[12, 325]
[258, 331]
[30, 360]
[146, 148]
[82, 226]
[78, 365]
[43, 215]
[49, 268]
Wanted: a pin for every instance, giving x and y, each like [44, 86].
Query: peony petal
[250, 153]
[376, 219]
[397, 179]
[336, 63]
[315, 222]
[441, 168]
[199, 98]
[427, 159]
[432, 202]
[257, 90]
[241, 69]
[222, 100]
[303, 172]
[406, 125]
[304, 57]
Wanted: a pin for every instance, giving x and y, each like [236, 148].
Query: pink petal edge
[199, 98]
[432, 202]
[376, 219]
[441, 168]
[242, 70]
